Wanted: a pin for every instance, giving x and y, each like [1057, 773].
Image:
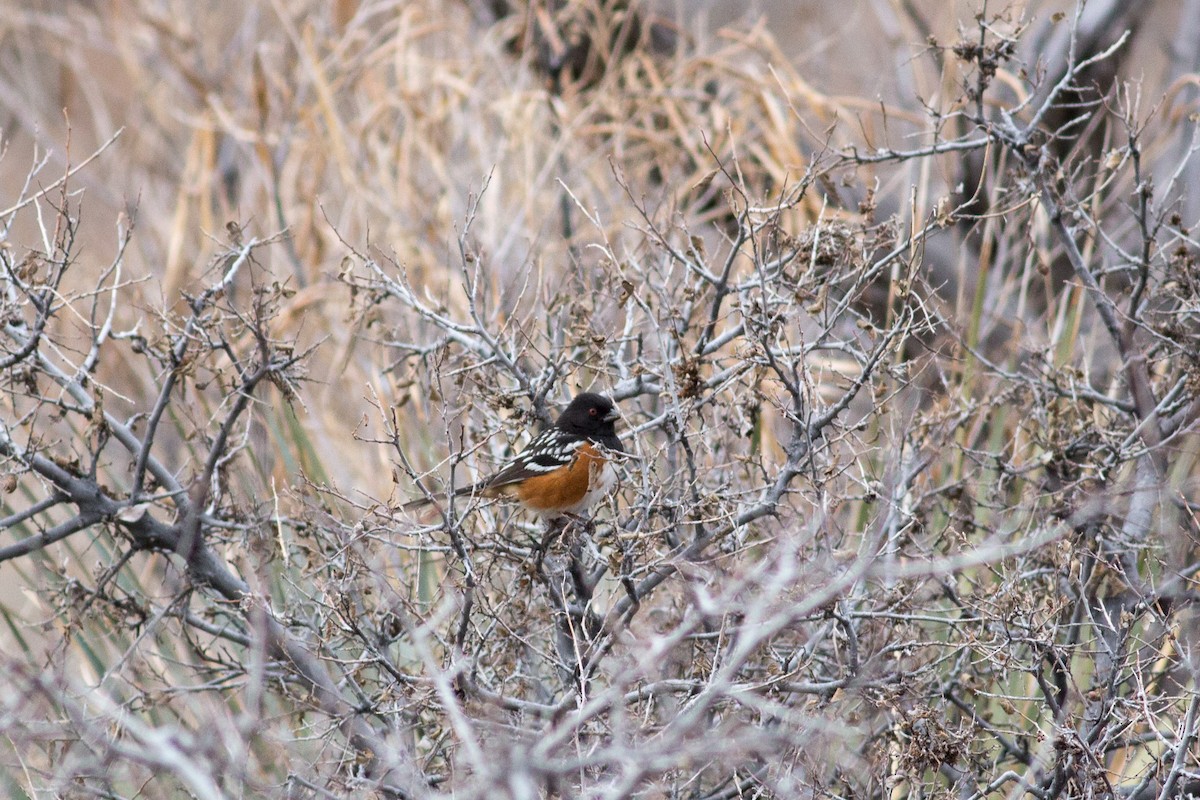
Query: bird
[565, 469]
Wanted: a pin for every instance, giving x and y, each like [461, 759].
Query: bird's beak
[612, 416]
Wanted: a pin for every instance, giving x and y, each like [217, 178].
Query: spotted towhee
[565, 469]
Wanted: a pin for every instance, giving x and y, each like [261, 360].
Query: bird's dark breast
[610, 441]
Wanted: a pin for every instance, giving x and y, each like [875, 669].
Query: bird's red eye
[592, 411]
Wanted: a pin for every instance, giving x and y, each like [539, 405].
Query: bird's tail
[430, 499]
[420, 502]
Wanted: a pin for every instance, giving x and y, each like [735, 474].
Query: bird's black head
[594, 416]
